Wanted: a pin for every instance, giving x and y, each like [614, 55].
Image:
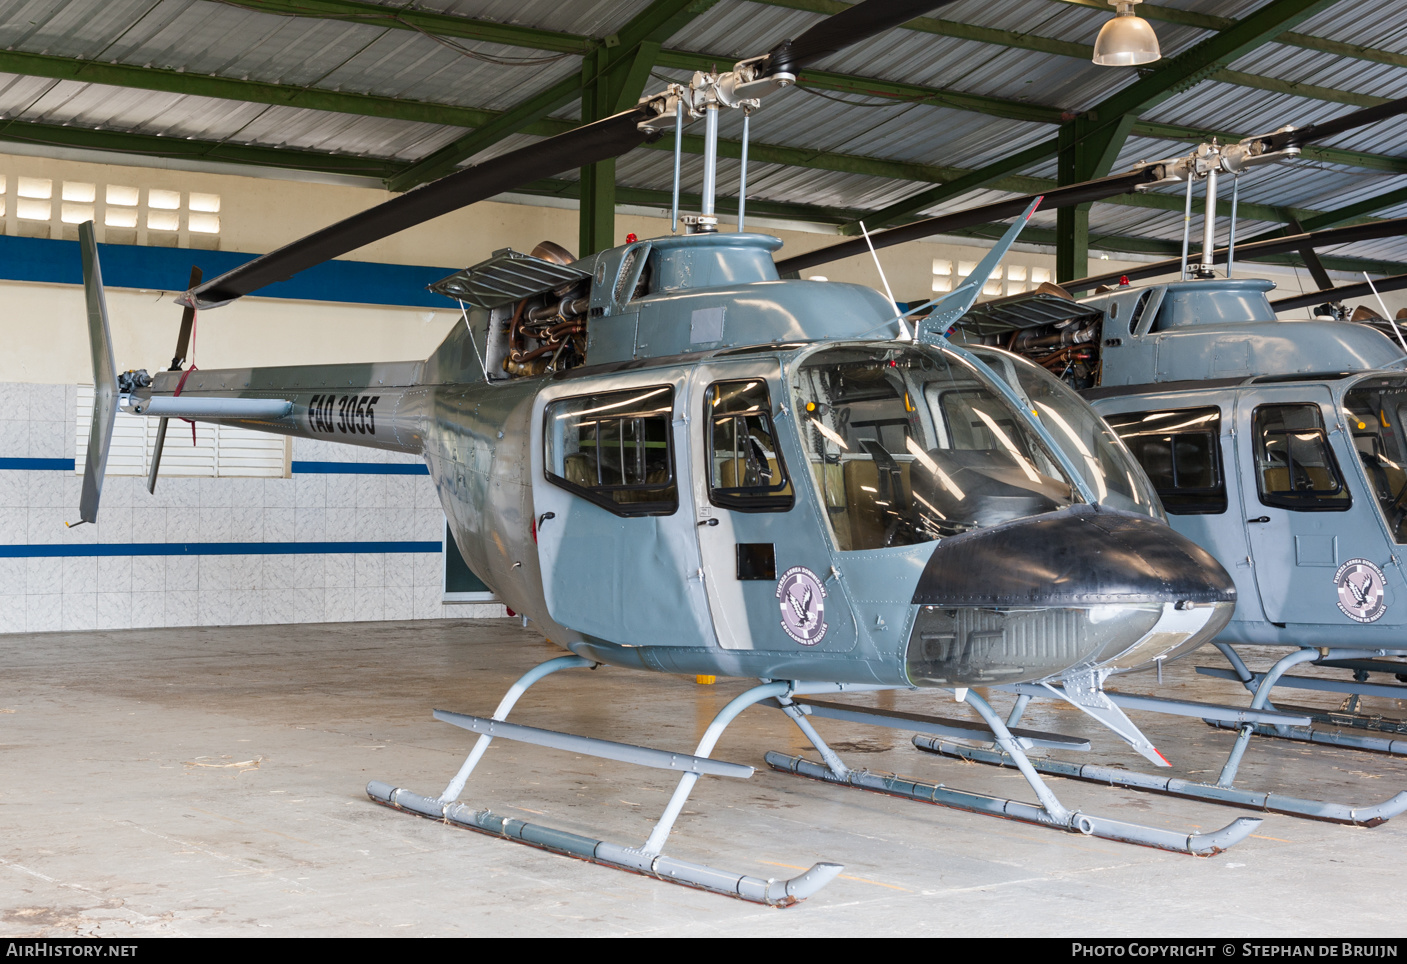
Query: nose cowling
[1080, 588]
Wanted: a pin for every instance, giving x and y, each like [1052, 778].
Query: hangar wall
[360, 540]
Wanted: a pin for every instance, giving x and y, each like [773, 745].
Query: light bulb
[1127, 40]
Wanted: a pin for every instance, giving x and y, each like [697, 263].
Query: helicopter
[1288, 427]
[668, 458]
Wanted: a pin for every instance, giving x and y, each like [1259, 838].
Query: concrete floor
[194, 782]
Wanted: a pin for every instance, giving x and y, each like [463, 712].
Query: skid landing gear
[1348, 718]
[1049, 812]
[646, 859]
[1259, 717]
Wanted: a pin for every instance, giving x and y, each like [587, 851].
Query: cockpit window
[1108, 467]
[614, 449]
[1295, 469]
[745, 466]
[1375, 409]
[908, 445]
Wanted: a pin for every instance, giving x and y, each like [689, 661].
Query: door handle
[1263, 518]
[544, 517]
[709, 522]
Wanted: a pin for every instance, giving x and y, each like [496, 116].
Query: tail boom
[374, 405]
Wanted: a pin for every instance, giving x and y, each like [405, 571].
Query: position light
[1126, 41]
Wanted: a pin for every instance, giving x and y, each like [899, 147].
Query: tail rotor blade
[183, 340]
[104, 377]
[183, 344]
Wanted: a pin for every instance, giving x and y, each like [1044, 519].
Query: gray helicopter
[669, 459]
[1275, 444]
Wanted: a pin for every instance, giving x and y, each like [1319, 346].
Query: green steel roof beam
[1123, 244]
[180, 148]
[457, 26]
[423, 21]
[512, 121]
[1176, 74]
[1314, 152]
[1086, 51]
[653, 25]
[969, 181]
[1154, 87]
[1207, 21]
[229, 88]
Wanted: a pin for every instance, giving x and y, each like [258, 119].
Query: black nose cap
[1078, 556]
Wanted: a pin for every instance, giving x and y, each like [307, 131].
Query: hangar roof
[874, 132]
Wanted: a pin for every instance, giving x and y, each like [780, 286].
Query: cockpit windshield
[1375, 408]
[909, 444]
[1107, 465]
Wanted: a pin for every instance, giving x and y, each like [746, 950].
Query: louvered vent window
[220, 451]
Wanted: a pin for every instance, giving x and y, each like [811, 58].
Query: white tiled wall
[112, 592]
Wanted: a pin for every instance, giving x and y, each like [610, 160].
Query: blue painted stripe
[212, 549]
[360, 468]
[168, 269]
[43, 465]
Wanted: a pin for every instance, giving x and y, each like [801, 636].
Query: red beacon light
[1123, 281]
[631, 238]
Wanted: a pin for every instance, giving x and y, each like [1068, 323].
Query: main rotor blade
[1361, 290]
[1318, 239]
[588, 144]
[845, 29]
[1059, 197]
[1317, 132]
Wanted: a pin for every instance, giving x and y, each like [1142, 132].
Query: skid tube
[778, 893]
[1048, 813]
[1248, 722]
[1260, 685]
[1230, 796]
[646, 859]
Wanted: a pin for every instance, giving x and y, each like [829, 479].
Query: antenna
[903, 328]
[1396, 328]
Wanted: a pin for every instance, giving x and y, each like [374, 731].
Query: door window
[746, 470]
[1375, 409]
[1179, 451]
[1295, 468]
[614, 449]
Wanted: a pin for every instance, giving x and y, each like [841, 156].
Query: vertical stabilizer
[951, 307]
[104, 377]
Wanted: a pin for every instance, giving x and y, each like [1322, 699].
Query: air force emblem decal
[802, 599]
[1361, 591]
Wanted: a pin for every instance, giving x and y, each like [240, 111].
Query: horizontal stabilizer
[176, 406]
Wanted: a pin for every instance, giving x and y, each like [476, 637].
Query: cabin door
[614, 511]
[1307, 517]
[766, 558]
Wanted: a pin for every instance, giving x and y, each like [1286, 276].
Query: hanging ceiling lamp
[1127, 40]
